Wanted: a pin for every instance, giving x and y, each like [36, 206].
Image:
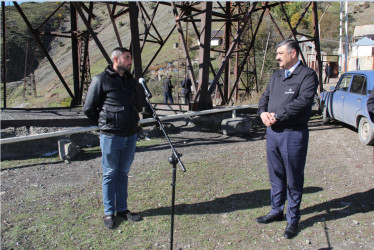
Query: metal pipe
[142, 121]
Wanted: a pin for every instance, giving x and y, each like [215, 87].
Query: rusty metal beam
[159, 49]
[185, 49]
[292, 30]
[85, 57]
[74, 51]
[135, 43]
[202, 95]
[114, 24]
[302, 16]
[37, 38]
[92, 33]
[232, 47]
[275, 24]
[46, 20]
[227, 71]
[151, 24]
[318, 47]
[251, 46]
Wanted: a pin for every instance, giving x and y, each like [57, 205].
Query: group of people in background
[167, 87]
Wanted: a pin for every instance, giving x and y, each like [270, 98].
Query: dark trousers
[327, 79]
[168, 96]
[286, 156]
[186, 98]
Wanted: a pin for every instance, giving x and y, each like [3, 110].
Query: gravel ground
[339, 170]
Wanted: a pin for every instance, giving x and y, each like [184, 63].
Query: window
[358, 85]
[344, 83]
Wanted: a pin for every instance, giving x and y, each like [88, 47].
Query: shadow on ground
[233, 202]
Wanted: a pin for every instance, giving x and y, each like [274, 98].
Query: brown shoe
[109, 221]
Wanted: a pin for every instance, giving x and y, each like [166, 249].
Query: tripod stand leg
[173, 204]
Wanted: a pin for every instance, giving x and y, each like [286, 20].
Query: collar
[294, 67]
[111, 71]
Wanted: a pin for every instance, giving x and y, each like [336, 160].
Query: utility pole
[341, 39]
[346, 37]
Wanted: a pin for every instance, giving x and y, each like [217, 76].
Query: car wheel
[325, 116]
[365, 132]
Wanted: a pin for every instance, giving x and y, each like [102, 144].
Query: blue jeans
[168, 96]
[117, 156]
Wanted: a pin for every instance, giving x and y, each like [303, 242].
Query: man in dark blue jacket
[285, 108]
[113, 101]
[186, 89]
[167, 86]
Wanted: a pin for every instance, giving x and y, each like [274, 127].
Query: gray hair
[117, 52]
[291, 45]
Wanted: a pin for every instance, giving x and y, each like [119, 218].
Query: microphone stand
[173, 159]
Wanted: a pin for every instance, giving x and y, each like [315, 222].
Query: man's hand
[268, 118]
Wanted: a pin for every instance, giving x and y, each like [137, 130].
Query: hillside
[51, 93]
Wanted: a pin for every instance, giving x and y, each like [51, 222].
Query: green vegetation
[19, 163]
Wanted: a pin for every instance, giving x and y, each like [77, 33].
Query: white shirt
[294, 67]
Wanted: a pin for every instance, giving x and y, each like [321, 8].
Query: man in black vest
[113, 101]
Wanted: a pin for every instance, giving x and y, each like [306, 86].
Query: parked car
[347, 102]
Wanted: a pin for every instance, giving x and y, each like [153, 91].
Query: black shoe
[291, 230]
[109, 221]
[270, 218]
[127, 215]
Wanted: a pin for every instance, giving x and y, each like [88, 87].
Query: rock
[238, 125]
[67, 150]
[71, 150]
[61, 148]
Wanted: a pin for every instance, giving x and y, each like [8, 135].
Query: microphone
[146, 90]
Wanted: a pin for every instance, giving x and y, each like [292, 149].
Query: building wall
[362, 51]
[361, 63]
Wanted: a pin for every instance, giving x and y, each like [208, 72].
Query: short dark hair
[291, 45]
[119, 51]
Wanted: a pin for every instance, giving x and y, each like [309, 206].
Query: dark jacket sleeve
[140, 98]
[93, 100]
[264, 100]
[305, 99]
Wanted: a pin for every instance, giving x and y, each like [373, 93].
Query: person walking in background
[327, 73]
[186, 89]
[285, 109]
[113, 101]
[167, 86]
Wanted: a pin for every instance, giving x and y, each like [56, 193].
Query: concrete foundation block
[71, 150]
[61, 148]
[67, 150]
[238, 125]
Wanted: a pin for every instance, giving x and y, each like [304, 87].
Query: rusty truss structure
[239, 23]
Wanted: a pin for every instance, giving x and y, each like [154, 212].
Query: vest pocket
[112, 116]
